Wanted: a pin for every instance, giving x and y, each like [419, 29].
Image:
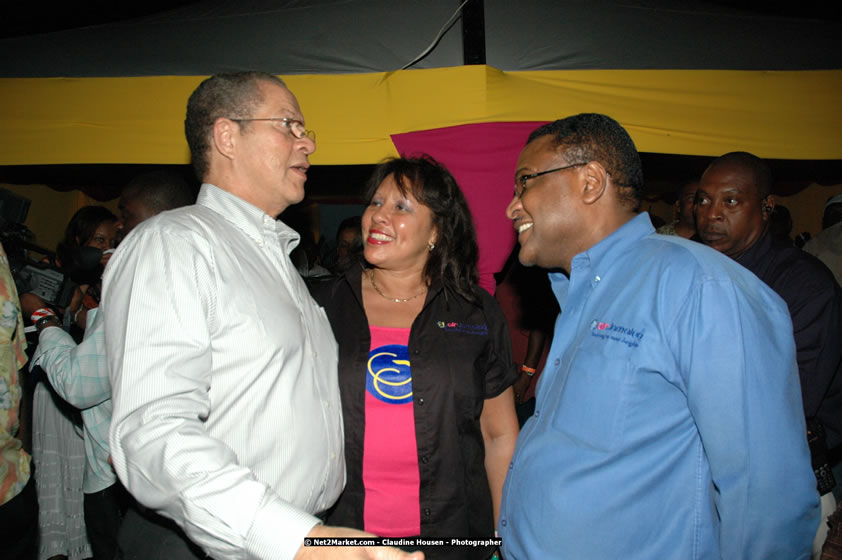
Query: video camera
[40, 276]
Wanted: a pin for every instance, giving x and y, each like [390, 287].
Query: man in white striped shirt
[226, 405]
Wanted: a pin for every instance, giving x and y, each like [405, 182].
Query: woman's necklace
[396, 300]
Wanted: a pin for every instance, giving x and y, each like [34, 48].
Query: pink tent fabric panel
[482, 158]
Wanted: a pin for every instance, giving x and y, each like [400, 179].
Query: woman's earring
[431, 246]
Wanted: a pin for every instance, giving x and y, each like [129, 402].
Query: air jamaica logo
[465, 328]
[610, 331]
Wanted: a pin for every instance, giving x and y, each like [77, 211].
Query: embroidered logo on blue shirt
[452, 326]
[388, 377]
[629, 336]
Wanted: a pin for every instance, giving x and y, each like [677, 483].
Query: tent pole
[473, 32]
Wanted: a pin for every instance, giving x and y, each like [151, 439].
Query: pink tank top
[390, 454]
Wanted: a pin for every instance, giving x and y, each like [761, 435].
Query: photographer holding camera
[79, 373]
[58, 447]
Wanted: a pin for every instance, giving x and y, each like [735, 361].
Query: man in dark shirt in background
[733, 208]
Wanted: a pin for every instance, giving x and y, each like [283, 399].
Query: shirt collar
[758, 254]
[617, 243]
[253, 221]
[601, 255]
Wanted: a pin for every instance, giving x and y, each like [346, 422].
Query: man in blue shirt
[668, 421]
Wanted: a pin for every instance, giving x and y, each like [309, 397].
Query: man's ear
[768, 205]
[596, 182]
[224, 137]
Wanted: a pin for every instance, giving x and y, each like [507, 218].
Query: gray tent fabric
[356, 36]
[654, 35]
[282, 37]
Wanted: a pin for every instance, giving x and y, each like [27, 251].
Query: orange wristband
[528, 370]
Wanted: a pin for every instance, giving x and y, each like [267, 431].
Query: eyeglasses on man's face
[295, 127]
[523, 179]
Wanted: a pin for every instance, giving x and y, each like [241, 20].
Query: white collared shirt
[226, 403]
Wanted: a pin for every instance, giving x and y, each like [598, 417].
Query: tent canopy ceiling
[684, 77]
[354, 36]
[698, 112]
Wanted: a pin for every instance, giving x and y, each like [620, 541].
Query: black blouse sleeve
[499, 364]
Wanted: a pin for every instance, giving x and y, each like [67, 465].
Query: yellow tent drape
[774, 114]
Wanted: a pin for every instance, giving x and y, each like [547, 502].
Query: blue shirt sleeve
[743, 392]
[78, 373]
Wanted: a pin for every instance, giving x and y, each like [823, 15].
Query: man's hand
[521, 386]
[30, 303]
[361, 553]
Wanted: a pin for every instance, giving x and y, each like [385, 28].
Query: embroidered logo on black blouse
[452, 326]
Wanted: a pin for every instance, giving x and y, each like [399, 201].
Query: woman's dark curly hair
[454, 259]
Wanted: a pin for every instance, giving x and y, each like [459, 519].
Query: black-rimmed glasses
[524, 178]
[295, 126]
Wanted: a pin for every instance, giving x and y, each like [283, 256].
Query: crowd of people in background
[79, 501]
[63, 475]
[218, 386]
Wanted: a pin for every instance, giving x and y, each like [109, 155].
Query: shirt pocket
[594, 401]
